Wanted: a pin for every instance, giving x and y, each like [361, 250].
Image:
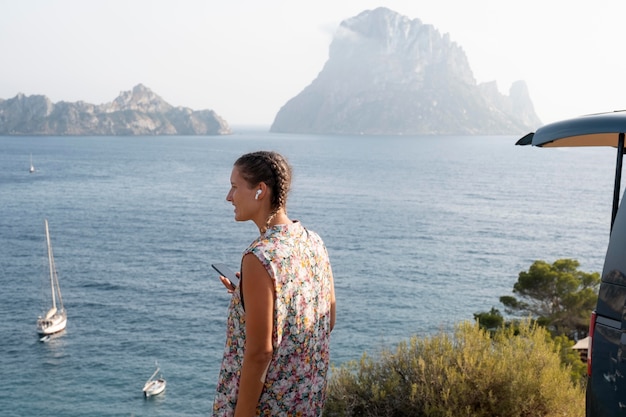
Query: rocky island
[387, 74]
[136, 112]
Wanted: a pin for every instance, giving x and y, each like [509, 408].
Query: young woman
[280, 316]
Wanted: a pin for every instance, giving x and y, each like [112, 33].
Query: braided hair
[272, 169]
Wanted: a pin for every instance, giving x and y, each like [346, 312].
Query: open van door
[606, 358]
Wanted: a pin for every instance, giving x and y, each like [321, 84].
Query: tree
[558, 296]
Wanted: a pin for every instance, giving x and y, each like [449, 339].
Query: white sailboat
[32, 167]
[55, 319]
[154, 386]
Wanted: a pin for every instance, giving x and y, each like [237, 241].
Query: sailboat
[55, 319]
[154, 386]
[32, 167]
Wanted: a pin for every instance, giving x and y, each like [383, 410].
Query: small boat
[154, 386]
[32, 167]
[55, 319]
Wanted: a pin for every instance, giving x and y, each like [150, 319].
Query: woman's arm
[258, 295]
[332, 303]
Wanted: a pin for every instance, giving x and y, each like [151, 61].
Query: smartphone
[224, 270]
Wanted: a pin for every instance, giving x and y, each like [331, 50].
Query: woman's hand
[228, 284]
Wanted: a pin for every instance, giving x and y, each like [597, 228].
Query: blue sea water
[422, 233]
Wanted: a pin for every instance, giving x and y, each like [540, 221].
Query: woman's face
[242, 197]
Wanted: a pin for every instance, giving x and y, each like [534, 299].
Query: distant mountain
[136, 112]
[387, 74]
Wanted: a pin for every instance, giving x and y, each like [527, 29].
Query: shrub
[469, 373]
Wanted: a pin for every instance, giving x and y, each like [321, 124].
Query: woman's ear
[261, 192]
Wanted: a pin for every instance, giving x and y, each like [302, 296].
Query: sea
[422, 231]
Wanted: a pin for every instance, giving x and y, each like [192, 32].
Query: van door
[606, 389]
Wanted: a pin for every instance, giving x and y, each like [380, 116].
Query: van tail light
[592, 326]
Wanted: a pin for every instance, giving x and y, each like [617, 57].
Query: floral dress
[295, 385]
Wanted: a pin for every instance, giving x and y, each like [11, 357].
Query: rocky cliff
[388, 74]
[136, 112]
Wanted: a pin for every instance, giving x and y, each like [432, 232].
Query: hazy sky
[246, 58]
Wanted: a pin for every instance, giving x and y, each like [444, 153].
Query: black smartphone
[224, 270]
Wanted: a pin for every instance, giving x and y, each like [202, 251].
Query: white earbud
[258, 193]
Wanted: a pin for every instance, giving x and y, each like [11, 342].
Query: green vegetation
[491, 320]
[557, 296]
[470, 373]
[523, 367]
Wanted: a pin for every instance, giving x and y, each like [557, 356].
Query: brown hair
[272, 169]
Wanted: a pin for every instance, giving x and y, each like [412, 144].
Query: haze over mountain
[388, 74]
[136, 112]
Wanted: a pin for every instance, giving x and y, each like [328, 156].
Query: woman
[280, 317]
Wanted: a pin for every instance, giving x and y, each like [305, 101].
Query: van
[606, 355]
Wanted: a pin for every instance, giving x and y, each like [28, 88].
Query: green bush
[470, 373]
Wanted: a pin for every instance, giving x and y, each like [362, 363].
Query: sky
[245, 59]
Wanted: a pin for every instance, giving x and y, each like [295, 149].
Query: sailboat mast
[153, 375]
[50, 265]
